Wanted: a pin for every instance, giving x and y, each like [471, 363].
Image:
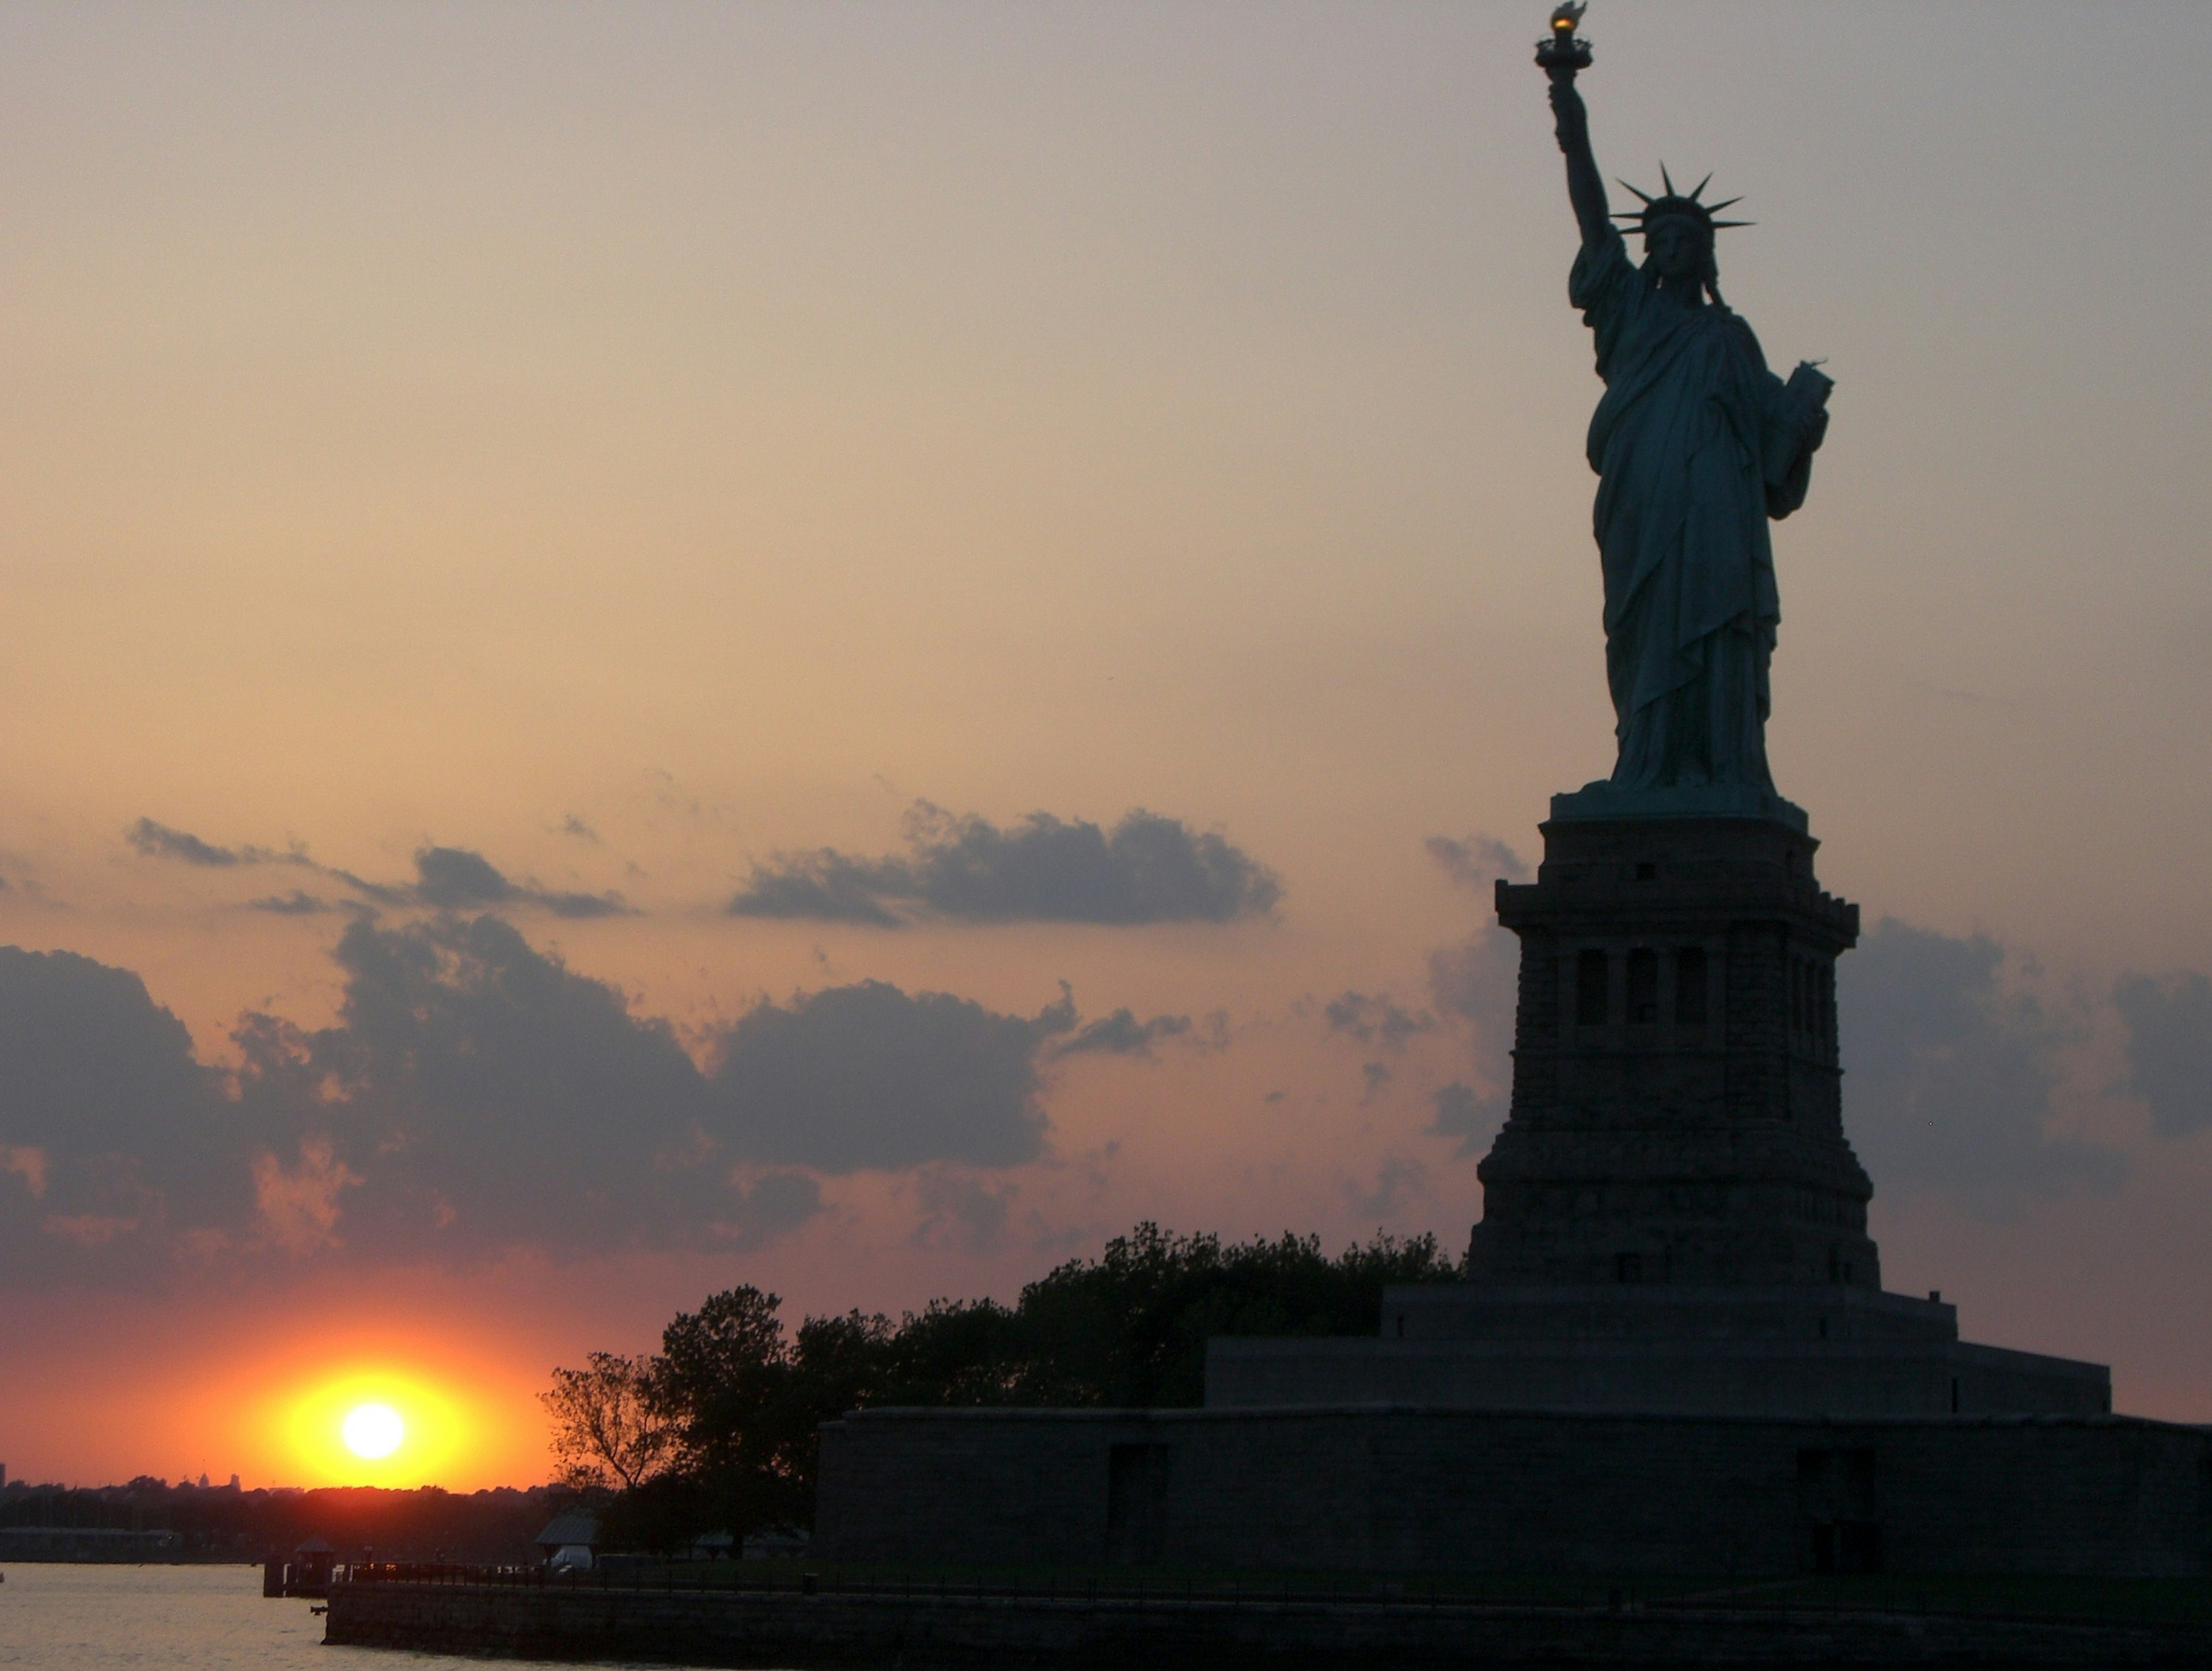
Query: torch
[1563, 51]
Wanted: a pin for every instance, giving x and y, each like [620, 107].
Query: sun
[373, 1432]
[376, 1421]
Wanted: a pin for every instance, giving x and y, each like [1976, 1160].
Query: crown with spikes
[1673, 202]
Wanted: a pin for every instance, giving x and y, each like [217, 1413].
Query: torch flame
[1566, 14]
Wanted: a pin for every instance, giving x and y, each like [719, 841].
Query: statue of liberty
[1697, 444]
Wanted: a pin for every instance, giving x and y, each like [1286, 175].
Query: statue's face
[1676, 246]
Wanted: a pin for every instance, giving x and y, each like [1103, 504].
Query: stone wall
[1412, 1490]
[1689, 1377]
[956, 1633]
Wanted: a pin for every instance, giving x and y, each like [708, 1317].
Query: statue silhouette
[1697, 444]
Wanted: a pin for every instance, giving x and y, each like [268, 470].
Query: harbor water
[100, 1618]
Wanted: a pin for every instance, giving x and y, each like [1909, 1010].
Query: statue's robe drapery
[1697, 444]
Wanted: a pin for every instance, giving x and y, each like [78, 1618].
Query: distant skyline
[849, 648]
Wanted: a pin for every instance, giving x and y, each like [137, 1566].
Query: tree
[608, 1425]
[727, 1381]
[1129, 1329]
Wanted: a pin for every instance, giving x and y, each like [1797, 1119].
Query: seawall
[1395, 1490]
[1000, 1633]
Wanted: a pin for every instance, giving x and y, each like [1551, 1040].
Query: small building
[311, 1569]
[568, 1542]
[714, 1546]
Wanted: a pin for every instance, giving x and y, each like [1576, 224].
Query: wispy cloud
[1376, 1020]
[446, 878]
[1476, 862]
[1123, 1035]
[161, 842]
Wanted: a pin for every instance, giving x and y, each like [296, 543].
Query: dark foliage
[1127, 1329]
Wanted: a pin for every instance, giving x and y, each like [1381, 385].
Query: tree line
[224, 1523]
[718, 1431]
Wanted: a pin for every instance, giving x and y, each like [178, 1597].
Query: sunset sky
[849, 646]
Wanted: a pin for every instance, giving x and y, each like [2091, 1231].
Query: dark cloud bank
[1146, 870]
[446, 878]
[2169, 1049]
[1950, 1074]
[474, 1093]
[1477, 983]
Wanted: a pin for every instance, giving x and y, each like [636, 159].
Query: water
[176, 1619]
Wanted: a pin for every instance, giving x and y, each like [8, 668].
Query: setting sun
[374, 1426]
[374, 1431]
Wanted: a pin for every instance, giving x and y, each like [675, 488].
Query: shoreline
[949, 1630]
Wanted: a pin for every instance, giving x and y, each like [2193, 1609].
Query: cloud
[297, 903]
[1376, 1020]
[960, 1211]
[1147, 869]
[1462, 1113]
[1477, 862]
[446, 878]
[2169, 1026]
[450, 877]
[1123, 1035]
[485, 1095]
[1949, 1074]
[29, 1165]
[867, 1076]
[474, 1070]
[472, 1095]
[116, 1141]
[461, 878]
[1398, 1181]
[297, 1206]
[382, 894]
[768, 1206]
[824, 886]
[160, 841]
[1477, 983]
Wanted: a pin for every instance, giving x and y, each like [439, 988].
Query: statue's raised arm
[1585, 186]
[1561, 53]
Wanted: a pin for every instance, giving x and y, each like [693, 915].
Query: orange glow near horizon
[319, 1427]
[463, 1398]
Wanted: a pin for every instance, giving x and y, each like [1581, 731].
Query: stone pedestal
[1673, 1222]
[1676, 1114]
